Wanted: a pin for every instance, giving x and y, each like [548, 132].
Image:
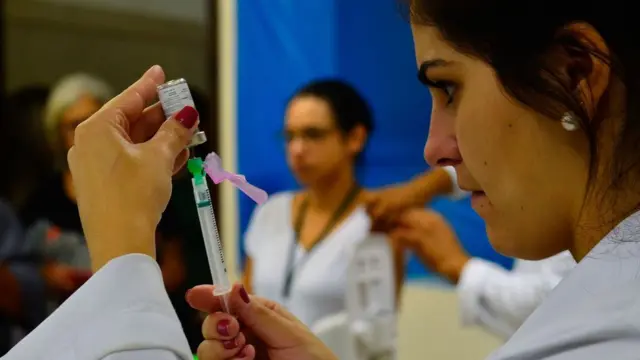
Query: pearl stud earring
[569, 121]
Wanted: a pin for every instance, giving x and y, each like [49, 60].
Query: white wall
[189, 10]
[115, 45]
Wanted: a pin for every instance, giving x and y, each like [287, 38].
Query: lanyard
[342, 208]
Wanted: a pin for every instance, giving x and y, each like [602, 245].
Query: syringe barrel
[211, 237]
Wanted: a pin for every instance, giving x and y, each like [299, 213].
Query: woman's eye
[448, 88]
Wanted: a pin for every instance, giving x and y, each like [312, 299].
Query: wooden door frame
[212, 91]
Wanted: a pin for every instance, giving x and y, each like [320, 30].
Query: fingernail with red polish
[187, 117]
[223, 327]
[244, 295]
[230, 344]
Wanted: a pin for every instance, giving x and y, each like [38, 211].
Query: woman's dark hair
[349, 108]
[23, 124]
[524, 41]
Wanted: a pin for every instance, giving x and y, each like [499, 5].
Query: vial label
[174, 98]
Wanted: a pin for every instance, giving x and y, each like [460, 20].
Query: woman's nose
[441, 148]
[296, 146]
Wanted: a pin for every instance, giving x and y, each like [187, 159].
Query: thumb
[275, 326]
[174, 135]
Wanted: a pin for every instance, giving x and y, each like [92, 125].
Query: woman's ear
[590, 70]
[357, 139]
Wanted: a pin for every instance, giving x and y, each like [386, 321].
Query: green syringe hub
[196, 168]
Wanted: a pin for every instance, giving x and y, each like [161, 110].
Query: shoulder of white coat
[266, 216]
[275, 207]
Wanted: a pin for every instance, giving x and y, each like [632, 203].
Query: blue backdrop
[283, 44]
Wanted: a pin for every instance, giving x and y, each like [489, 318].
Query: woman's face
[74, 115]
[525, 171]
[316, 148]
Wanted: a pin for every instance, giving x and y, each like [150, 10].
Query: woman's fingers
[201, 298]
[181, 161]
[232, 349]
[247, 353]
[223, 339]
[147, 124]
[221, 331]
[266, 319]
[132, 102]
[220, 326]
[174, 135]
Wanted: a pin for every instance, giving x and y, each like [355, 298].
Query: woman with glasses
[298, 243]
[51, 215]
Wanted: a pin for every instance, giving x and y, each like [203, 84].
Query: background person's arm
[441, 181]
[500, 300]
[385, 204]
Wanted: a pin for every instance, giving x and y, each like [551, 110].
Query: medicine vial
[174, 95]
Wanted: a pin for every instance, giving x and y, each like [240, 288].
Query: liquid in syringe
[175, 95]
[209, 228]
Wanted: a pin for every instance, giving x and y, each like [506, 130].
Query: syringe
[210, 233]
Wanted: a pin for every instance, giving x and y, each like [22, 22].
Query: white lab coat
[594, 313]
[500, 300]
[122, 313]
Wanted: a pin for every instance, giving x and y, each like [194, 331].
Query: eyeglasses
[308, 135]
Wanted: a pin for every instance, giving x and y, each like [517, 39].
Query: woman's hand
[431, 237]
[386, 204]
[121, 163]
[262, 330]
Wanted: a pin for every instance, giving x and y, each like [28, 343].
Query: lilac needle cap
[213, 168]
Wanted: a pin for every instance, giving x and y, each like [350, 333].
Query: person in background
[51, 215]
[27, 159]
[297, 242]
[489, 295]
[107, 318]
[72, 100]
[22, 304]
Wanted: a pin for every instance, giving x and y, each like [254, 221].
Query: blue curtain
[284, 43]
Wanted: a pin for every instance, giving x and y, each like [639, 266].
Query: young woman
[535, 104]
[298, 243]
